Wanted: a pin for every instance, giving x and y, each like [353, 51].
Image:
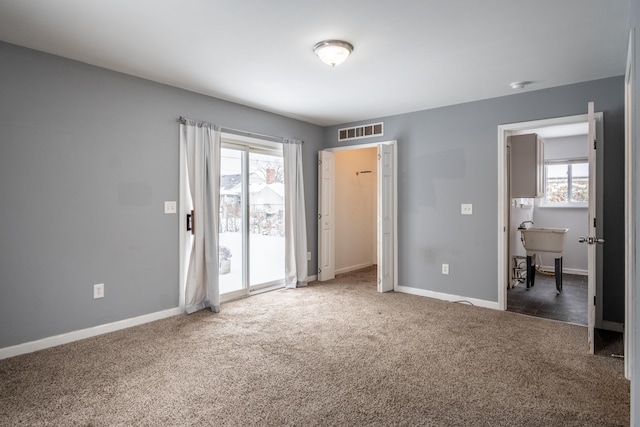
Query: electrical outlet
[445, 268]
[98, 290]
[466, 209]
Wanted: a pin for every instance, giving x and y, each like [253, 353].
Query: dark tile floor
[570, 306]
[542, 300]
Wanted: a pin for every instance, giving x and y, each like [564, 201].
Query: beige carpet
[336, 353]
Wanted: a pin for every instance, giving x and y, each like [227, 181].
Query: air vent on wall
[357, 132]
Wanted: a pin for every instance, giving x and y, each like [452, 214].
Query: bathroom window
[566, 183]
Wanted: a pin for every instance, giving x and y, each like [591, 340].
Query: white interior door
[385, 218]
[592, 240]
[326, 216]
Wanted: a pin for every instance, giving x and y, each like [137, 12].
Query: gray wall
[87, 157]
[448, 156]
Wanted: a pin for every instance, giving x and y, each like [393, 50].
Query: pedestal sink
[539, 239]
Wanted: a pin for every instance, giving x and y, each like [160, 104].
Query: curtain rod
[238, 131]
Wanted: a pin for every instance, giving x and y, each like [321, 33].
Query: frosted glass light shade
[333, 52]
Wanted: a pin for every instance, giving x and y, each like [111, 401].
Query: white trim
[359, 146]
[354, 268]
[503, 217]
[574, 205]
[252, 143]
[550, 269]
[395, 215]
[68, 337]
[312, 278]
[447, 297]
[630, 210]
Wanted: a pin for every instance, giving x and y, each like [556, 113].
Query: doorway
[505, 260]
[355, 209]
[564, 205]
[358, 184]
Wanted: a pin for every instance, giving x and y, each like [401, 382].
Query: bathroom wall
[355, 204]
[521, 210]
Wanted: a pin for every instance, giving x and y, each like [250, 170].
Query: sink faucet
[522, 225]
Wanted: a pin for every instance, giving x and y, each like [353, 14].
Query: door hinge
[319, 216]
[319, 162]
[594, 223]
[594, 300]
[379, 156]
[319, 270]
[595, 144]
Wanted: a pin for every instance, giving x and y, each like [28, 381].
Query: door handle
[591, 240]
[191, 222]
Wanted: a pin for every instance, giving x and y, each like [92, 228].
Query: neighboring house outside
[266, 208]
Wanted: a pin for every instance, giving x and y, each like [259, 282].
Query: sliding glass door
[266, 219]
[251, 218]
[232, 220]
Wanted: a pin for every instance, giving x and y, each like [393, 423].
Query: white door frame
[630, 209]
[594, 230]
[504, 131]
[394, 145]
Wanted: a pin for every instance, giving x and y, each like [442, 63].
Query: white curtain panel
[295, 248]
[202, 142]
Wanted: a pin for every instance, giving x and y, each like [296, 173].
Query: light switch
[170, 207]
[466, 209]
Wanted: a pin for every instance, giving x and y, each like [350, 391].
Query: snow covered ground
[266, 257]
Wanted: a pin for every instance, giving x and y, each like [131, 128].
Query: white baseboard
[353, 268]
[68, 337]
[447, 297]
[550, 269]
[312, 278]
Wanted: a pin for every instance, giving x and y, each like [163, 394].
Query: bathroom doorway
[510, 209]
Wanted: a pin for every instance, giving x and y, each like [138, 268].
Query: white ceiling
[408, 56]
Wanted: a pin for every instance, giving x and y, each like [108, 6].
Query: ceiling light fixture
[333, 52]
[518, 85]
